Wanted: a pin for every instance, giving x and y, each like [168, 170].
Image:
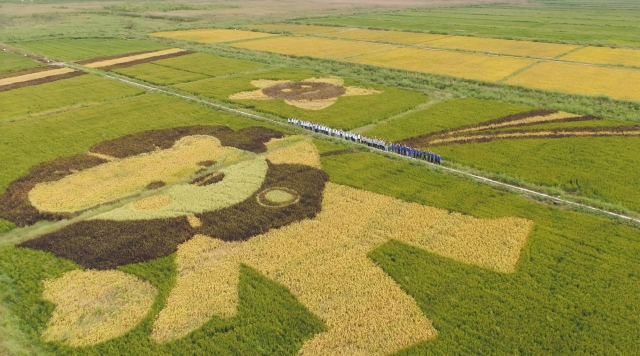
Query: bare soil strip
[32, 76]
[106, 58]
[43, 80]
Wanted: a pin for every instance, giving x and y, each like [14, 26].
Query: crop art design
[221, 199]
[310, 94]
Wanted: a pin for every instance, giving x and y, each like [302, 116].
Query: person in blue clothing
[438, 159]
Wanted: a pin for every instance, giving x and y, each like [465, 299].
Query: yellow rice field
[514, 48]
[211, 35]
[313, 47]
[95, 306]
[297, 29]
[617, 83]
[136, 57]
[606, 55]
[33, 76]
[465, 65]
[409, 38]
[323, 262]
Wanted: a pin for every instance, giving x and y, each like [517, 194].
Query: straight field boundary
[461, 173]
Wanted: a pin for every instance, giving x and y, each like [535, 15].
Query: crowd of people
[371, 142]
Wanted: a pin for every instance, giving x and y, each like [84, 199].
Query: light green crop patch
[12, 62]
[347, 113]
[77, 49]
[62, 93]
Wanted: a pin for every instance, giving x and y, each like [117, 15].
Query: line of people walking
[376, 143]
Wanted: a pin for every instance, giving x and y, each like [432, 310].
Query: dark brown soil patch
[156, 184]
[249, 139]
[145, 60]
[208, 179]
[52, 78]
[105, 244]
[304, 91]
[14, 203]
[207, 163]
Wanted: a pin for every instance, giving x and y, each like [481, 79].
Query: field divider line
[475, 177]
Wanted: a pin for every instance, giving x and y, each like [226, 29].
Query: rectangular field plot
[465, 65]
[617, 83]
[10, 62]
[606, 55]
[77, 49]
[28, 142]
[515, 48]
[209, 64]
[401, 37]
[313, 47]
[142, 57]
[354, 106]
[443, 116]
[297, 29]
[597, 167]
[152, 73]
[212, 35]
[62, 93]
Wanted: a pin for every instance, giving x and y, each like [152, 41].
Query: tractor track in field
[475, 177]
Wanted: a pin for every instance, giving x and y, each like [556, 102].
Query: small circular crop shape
[304, 91]
[277, 197]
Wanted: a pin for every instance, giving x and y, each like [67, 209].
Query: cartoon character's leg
[192, 302]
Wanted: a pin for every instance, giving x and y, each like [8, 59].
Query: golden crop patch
[295, 28]
[410, 38]
[136, 57]
[95, 306]
[34, 76]
[211, 35]
[293, 150]
[617, 83]
[606, 55]
[323, 261]
[313, 47]
[510, 47]
[121, 178]
[465, 65]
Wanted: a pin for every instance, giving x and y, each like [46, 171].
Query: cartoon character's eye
[278, 197]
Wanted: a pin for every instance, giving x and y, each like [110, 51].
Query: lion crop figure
[220, 199]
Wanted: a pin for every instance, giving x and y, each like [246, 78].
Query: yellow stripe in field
[606, 55]
[509, 47]
[297, 29]
[313, 47]
[33, 76]
[136, 57]
[212, 35]
[465, 65]
[617, 83]
[409, 38]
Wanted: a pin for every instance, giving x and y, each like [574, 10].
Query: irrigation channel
[475, 177]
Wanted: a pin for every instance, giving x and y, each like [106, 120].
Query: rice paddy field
[212, 35]
[78, 49]
[187, 215]
[617, 83]
[10, 62]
